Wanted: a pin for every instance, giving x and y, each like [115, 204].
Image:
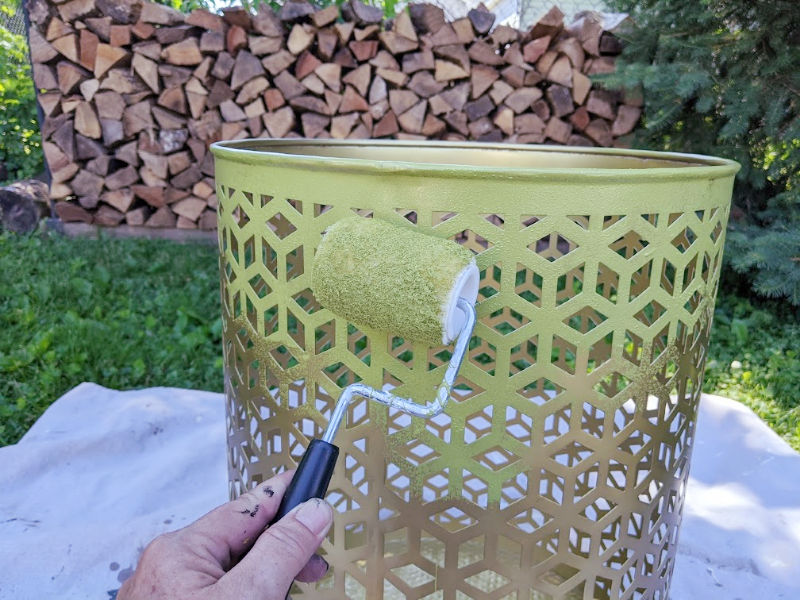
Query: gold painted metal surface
[558, 470]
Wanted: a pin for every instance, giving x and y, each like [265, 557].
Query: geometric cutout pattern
[558, 469]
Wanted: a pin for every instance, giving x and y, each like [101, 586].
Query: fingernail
[314, 514]
[324, 562]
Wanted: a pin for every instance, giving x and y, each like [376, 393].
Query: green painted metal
[559, 469]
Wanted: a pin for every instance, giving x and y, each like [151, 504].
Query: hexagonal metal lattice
[559, 467]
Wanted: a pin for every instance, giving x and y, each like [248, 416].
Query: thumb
[280, 553]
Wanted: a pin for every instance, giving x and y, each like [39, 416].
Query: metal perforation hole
[431, 548]
[684, 240]
[402, 350]
[611, 220]
[522, 356]
[495, 219]
[585, 319]
[551, 486]
[490, 282]
[506, 320]
[472, 241]
[496, 458]
[513, 490]
[471, 551]
[408, 215]
[540, 391]
[305, 299]
[487, 581]
[412, 576]
[482, 354]
[398, 482]
[519, 425]
[439, 426]
[295, 204]
[528, 220]
[612, 384]
[281, 226]
[650, 313]
[580, 543]
[478, 425]
[559, 574]
[553, 246]
[436, 485]
[474, 489]
[530, 520]
[269, 258]
[395, 543]
[296, 329]
[358, 344]
[295, 265]
[453, 519]
[418, 453]
[668, 276]
[607, 283]
[355, 534]
[528, 285]
[341, 375]
[570, 284]
[571, 454]
[321, 209]
[563, 354]
[438, 357]
[617, 475]
[259, 286]
[441, 217]
[593, 420]
[640, 279]
[324, 337]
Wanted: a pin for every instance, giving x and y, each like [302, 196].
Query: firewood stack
[133, 93]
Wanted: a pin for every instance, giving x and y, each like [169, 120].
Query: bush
[20, 141]
[720, 77]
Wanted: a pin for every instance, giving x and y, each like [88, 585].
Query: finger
[228, 531]
[280, 553]
[315, 569]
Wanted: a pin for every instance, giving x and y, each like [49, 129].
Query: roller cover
[394, 279]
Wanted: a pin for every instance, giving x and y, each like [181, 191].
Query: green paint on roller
[391, 278]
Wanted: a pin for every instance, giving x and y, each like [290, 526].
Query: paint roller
[393, 279]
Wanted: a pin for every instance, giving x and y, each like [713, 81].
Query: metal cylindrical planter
[559, 467]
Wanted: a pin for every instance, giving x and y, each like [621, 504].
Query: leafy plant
[754, 358]
[720, 77]
[121, 313]
[20, 141]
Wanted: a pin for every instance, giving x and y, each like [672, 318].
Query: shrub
[20, 141]
[720, 77]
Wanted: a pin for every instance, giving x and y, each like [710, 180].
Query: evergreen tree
[722, 77]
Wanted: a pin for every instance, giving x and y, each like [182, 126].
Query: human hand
[228, 554]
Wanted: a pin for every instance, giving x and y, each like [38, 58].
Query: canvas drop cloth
[102, 472]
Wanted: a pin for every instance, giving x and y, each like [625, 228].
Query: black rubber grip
[311, 478]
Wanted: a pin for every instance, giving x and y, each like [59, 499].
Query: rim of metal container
[637, 165]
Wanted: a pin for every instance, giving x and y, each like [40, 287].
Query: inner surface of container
[477, 155]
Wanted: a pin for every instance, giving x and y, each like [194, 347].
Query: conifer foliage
[722, 77]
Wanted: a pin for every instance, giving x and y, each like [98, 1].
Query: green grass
[139, 313]
[754, 357]
[122, 313]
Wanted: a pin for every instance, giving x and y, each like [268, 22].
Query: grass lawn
[138, 313]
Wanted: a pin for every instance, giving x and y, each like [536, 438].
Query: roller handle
[311, 478]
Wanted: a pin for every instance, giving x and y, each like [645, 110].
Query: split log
[22, 204]
[133, 93]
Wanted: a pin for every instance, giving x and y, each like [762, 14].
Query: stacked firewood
[133, 93]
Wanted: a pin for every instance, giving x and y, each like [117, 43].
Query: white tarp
[102, 472]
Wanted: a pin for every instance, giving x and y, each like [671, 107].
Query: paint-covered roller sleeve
[391, 278]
